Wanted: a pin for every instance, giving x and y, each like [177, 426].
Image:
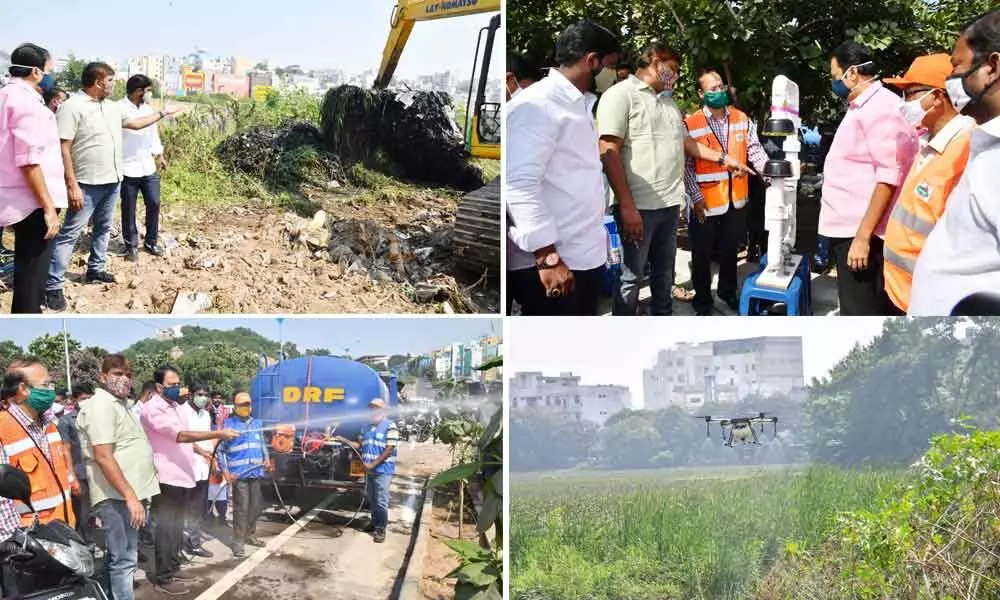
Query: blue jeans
[99, 204]
[658, 249]
[378, 498]
[122, 542]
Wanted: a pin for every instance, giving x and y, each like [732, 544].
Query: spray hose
[281, 501]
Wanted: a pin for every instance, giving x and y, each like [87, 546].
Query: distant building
[153, 67]
[564, 394]
[724, 372]
[171, 333]
[241, 65]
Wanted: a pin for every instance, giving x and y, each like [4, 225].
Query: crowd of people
[151, 469]
[148, 471]
[905, 211]
[75, 154]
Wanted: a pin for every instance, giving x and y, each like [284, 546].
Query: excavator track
[477, 237]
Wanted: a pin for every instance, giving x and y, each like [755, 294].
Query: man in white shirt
[142, 153]
[961, 257]
[557, 246]
[200, 420]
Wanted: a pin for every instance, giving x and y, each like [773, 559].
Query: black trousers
[150, 188]
[196, 515]
[169, 508]
[32, 253]
[861, 293]
[248, 503]
[722, 233]
[526, 287]
[81, 508]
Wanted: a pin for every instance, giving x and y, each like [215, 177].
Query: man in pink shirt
[32, 189]
[870, 156]
[166, 422]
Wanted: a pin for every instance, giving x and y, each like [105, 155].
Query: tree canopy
[751, 41]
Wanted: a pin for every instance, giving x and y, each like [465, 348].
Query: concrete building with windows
[724, 372]
[566, 395]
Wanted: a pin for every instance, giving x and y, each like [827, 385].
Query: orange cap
[930, 70]
[241, 397]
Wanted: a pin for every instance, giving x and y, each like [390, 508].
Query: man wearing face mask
[120, 470]
[90, 127]
[142, 153]
[521, 73]
[377, 444]
[961, 256]
[200, 420]
[54, 98]
[31, 172]
[33, 445]
[864, 169]
[557, 245]
[70, 434]
[244, 461]
[944, 151]
[167, 426]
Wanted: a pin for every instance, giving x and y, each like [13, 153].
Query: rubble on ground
[415, 130]
[289, 155]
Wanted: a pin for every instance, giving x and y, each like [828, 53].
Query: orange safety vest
[717, 184]
[50, 492]
[920, 204]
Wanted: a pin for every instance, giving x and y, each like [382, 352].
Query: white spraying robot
[781, 194]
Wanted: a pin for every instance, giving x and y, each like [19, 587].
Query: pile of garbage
[288, 155]
[415, 130]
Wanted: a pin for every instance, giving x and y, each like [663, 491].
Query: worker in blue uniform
[244, 462]
[377, 445]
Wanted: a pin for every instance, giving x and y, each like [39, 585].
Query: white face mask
[913, 112]
[956, 91]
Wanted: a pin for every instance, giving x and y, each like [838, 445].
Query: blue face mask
[47, 83]
[172, 393]
[840, 88]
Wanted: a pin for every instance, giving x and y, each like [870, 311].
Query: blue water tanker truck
[304, 403]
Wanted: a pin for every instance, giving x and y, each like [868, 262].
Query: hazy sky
[345, 34]
[615, 351]
[354, 336]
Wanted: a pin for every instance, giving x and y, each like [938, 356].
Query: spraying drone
[739, 429]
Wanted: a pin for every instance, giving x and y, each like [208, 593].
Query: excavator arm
[407, 12]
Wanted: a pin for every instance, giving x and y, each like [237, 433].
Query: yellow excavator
[477, 236]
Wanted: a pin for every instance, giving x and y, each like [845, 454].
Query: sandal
[683, 294]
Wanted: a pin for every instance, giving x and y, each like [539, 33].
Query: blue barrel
[614, 270]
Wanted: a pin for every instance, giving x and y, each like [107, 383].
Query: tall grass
[657, 536]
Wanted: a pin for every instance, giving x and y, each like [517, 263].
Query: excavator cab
[482, 121]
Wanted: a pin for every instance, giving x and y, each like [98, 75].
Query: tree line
[752, 41]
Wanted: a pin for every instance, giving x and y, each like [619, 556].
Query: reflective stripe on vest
[921, 202]
[718, 186]
[45, 503]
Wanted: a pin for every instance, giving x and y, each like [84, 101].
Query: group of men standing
[908, 223]
[136, 465]
[77, 156]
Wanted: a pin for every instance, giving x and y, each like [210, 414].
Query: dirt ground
[389, 257]
[439, 560]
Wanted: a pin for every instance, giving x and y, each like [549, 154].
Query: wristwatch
[550, 260]
[722, 158]
[163, 115]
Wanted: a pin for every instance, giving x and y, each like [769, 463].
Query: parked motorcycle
[54, 553]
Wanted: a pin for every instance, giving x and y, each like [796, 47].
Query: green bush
[935, 538]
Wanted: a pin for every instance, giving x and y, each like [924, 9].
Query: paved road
[315, 557]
